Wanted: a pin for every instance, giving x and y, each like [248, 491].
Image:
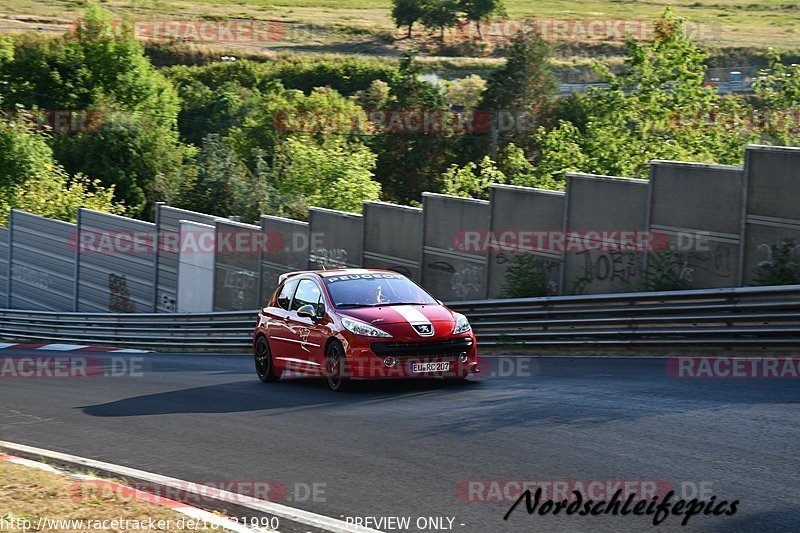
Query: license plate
[429, 367]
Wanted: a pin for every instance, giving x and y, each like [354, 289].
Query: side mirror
[307, 311]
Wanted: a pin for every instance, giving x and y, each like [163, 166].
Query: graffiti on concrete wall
[618, 268]
[167, 302]
[766, 251]
[467, 281]
[119, 298]
[329, 257]
[241, 283]
[31, 276]
[718, 262]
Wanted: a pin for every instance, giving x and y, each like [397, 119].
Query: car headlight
[462, 324]
[362, 328]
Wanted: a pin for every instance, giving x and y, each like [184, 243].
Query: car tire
[335, 368]
[265, 365]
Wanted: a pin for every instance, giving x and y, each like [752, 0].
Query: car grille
[450, 347]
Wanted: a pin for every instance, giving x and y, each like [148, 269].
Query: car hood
[400, 314]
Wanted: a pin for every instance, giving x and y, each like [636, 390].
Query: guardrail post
[9, 258]
[76, 284]
[156, 248]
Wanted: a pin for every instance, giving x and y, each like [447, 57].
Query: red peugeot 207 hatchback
[360, 324]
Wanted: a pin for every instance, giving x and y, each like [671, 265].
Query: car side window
[308, 293]
[285, 295]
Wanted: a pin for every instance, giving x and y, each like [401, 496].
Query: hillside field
[365, 25]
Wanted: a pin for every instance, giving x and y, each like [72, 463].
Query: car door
[309, 333]
[281, 340]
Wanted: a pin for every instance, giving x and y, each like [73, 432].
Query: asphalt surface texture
[430, 449]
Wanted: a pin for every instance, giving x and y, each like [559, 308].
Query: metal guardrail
[749, 316]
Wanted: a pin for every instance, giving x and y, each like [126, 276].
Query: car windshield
[375, 289]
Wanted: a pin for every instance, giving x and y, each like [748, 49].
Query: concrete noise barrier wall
[524, 222]
[43, 253]
[449, 269]
[772, 209]
[4, 267]
[336, 239]
[695, 213]
[286, 251]
[195, 269]
[237, 266]
[116, 263]
[393, 238]
[168, 221]
[605, 216]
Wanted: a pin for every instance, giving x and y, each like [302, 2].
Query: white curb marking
[62, 347]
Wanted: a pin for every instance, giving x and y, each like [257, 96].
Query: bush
[525, 279]
[663, 272]
[782, 267]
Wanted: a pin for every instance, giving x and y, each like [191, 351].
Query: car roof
[335, 272]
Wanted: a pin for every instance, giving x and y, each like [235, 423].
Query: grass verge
[36, 500]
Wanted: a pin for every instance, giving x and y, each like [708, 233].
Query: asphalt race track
[404, 449]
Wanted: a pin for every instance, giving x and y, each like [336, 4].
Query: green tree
[375, 97]
[466, 92]
[31, 180]
[101, 67]
[140, 159]
[219, 180]
[511, 161]
[656, 108]
[522, 90]
[482, 10]
[439, 14]
[560, 151]
[406, 13]
[471, 180]
[205, 110]
[335, 175]
[779, 86]
[6, 49]
[95, 63]
[412, 162]
[281, 113]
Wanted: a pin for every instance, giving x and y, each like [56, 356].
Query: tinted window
[307, 294]
[285, 295]
[357, 290]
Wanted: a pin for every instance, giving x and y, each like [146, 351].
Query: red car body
[419, 337]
